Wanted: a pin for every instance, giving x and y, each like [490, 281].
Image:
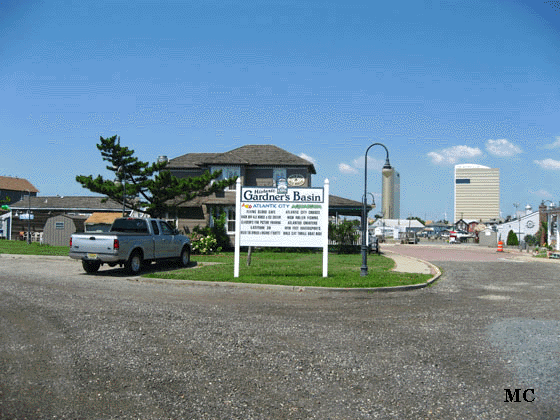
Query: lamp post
[516, 205]
[28, 217]
[364, 268]
[123, 183]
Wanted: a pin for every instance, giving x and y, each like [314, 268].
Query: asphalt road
[112, 346]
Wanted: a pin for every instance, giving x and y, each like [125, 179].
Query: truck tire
[185, 257]
[134, 263]
[91, 266]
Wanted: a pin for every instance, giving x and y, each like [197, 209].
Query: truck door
[161, 248]
[173, 243]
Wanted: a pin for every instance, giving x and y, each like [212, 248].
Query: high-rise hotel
[477, 192]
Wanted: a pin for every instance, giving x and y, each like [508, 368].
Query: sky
[438, 82]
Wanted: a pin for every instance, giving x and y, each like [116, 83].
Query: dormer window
[227, 172]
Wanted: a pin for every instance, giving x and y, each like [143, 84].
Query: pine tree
[148, 187]
[512, 239]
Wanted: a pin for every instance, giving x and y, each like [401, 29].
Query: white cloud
[347, 169]
[548, 164]
[309, 158]
[373, 164]
[554, 145]
[502, 148]
[542, 194]
[451, 155]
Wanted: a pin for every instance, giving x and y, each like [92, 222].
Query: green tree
[345, 235]
[512, 238]
[148, 186]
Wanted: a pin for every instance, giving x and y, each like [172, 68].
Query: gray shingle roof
[251, 155]
[85, 203]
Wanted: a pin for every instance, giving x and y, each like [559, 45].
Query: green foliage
[543, 233]
[531, 240]
[219, 229]
[148, 187]
[512, 239]
[204, 244]
[344, 234]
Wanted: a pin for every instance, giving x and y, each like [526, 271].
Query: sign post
[282, 217]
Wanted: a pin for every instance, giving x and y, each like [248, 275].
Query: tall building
[477, 192]
[391, 194]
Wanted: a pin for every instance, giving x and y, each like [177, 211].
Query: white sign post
[274, 217]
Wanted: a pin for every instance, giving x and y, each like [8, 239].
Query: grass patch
[296, 269]
[34, 248]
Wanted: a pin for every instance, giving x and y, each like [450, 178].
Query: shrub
[344, 234]
[512, 238]
[204, 245]
[531, 240]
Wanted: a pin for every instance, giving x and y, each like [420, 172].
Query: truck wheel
[134, 263]
[185, 258]
[91, 266]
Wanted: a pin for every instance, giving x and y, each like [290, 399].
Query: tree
[512, 239]
[345, 235]
[148, 187]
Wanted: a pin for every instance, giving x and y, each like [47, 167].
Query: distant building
[525, 224]
[477, 192]
[391, 194]
[14, 189]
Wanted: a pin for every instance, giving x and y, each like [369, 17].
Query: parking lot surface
[112, 346]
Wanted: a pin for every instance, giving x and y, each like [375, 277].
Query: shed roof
[106, 218]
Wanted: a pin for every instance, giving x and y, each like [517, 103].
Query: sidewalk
[405, 264]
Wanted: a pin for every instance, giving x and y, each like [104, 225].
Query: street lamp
[123, 183]
[516, 205]
[364, 268]
[28, 217]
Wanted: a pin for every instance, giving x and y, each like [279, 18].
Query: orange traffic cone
[500, 247]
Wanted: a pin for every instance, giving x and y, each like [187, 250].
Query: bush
[344, 234]
[531, 240]
[512, 238]
[204, 245]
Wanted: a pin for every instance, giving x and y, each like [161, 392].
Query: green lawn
[296, 269]
[34, 248]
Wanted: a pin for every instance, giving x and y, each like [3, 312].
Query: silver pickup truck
[132, 243]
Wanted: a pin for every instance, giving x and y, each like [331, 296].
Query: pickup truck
[132, 243]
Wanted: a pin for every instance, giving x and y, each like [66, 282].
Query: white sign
[26, 216]
[298, 218]
[282, 217]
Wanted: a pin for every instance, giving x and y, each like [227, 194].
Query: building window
[227, 172]
[230, 219]
[462, 181]
[278, 173]
[59, 225]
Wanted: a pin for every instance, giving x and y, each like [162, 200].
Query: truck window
[166, 229]
[130, 226]
[155, 227]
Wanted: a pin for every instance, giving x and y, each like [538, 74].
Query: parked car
[132, 243]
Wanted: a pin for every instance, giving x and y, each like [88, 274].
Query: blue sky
[438, 82]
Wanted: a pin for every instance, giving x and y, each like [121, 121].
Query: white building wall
[527, 225]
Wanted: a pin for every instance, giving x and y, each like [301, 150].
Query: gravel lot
[112, 346]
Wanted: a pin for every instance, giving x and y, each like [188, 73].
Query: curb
[261, 286]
